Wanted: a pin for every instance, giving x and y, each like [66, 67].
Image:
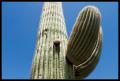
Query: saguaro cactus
[56, 57]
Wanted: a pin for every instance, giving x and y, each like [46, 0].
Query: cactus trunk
[49, 61]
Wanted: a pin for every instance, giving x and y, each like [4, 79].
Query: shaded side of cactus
[85, 43]
[85, 69]
[84, 35]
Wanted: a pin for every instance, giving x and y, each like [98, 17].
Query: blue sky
[20, 22]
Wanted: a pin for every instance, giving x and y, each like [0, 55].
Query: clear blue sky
[20, 22]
